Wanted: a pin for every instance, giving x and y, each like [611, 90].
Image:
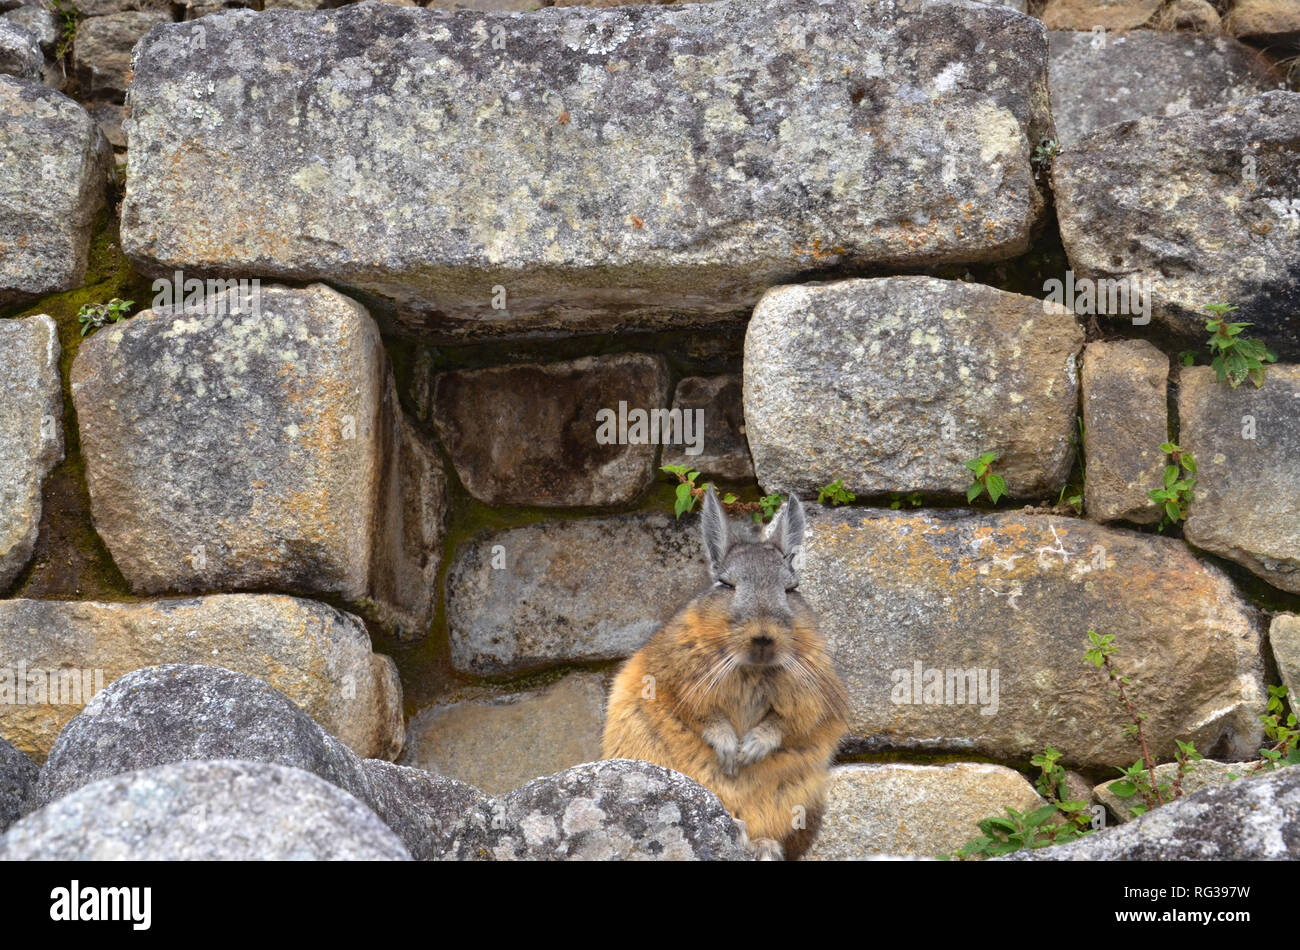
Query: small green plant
[1045, 153]
[94, 316]
[985, 480]
[896, 499]
[1100, 650]
[835, 493]
[68, 16]
[1058, 821]
[688, 493]
[1280, 729]
[1072, 492]
[1236, 358]
[1187, 357]
[1179, 480]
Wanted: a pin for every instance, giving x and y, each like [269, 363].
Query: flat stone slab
[1194, 209]
[318, 656]
[892, 384]
[31, 434]
[1246, 442]
[264, 448]
[549, 435]
[584, 169]
[963, 633]
[53, 174]
[915, 810]
[501, 744]
[1284, 638]
[1098, 80]
[560, 592]
[719, 449]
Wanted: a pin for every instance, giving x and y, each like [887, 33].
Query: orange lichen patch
[564, 117]
[637, 222]
[819, 253]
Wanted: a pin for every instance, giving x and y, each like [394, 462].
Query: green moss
[71, 560]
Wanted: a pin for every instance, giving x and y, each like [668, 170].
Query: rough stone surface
[1284, 637]
[528, 435]
[1253, 819]
[505, 742]
[17, 776]
[317, 656]
[633, 166]
[724, 453]
[110, 116]
[1125, 421]
[1017, 593]
[189, 713]
[99, 8]
[892, 384]
[101, 53]
[423, 809]
[1198, 775]
[205, 811]
[37, 19]
[1107, 14]
[1202, 205]
[1273, 22]
[617, 810]
[568, 591]
[53, 174]
[1244, 503]
[31, 433]
[20, 52]
[263, 449]
[918, 810]
[1097, 80]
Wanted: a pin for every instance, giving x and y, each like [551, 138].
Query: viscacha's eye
[723, 583]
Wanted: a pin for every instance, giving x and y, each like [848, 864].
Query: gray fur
[759, 574]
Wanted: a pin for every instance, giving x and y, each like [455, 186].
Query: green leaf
[973, 491]
[997, 487]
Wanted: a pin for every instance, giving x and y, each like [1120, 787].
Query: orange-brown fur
[661, 703]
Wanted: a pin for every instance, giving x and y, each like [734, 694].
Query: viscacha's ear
[716, 532]
[785, 532]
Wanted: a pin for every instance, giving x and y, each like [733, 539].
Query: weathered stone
[317, 656]
[17, 776]
[1100, 80]
[1198, 775]
[920, 810]
[1254, 819]
[723, 451]
[533, 434]
[1107, 14]
[110, 117]
[53, 174]
[1200, 207]
[99, 8]
[39, 20]
[1125, 421]
[1275, 22]
[1196, 15]
[180, 713]
[617, 810]
[1284, 638]
[31, 433]
[489, 5]
[568, 591]
[205, 811]
[1246, 443]
[892, 384]
[502, 743]
[20, 52]
[101, 53]
[264, 449]
[629, 167]
[1013, 596]
[423, 809]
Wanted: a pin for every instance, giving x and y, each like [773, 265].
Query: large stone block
[892, 384]
[254, 441]
[966, 633]
[585, 169]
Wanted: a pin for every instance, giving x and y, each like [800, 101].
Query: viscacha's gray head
[754, 582]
